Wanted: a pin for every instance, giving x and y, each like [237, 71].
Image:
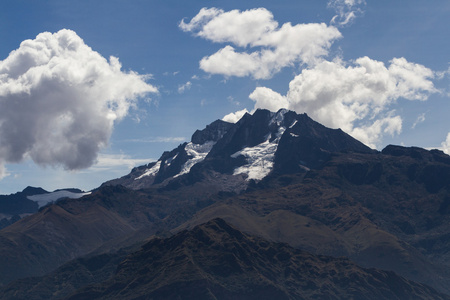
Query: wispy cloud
[3, 172]
[346, 11]
[184, 87]
[233, 101]
[158, 140]
[106, 167]
[59, 101]
[171, 73]
[114, 161]
[420, 119]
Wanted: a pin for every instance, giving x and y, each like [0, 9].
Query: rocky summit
[258, 144]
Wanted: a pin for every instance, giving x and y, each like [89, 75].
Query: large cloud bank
[355, 97]
[274, 47]
[59, 100]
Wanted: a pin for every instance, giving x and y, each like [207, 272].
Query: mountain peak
[212, 132]
[253, 147]
[30, 190]
[217, 227]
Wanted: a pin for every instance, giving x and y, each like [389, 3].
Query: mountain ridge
[232, 149]
[216, 261]
[15, 206]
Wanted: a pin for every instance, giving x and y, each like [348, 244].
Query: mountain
[15, 206]
[217, 261]
[388, 210]
[19, 203]
[280, 176]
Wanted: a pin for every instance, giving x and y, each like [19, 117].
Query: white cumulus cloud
[234, 117]
[59, 100]
[274, 47]
[355, 97]
[268, 99]
[446, 145]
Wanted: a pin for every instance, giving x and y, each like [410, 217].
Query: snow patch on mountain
[259, 158]
[169, 160]
[151, 171]
[293, 124]
[198, 153]
[278, 117]
[44, 199]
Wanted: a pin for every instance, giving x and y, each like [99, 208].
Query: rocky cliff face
[213, 132]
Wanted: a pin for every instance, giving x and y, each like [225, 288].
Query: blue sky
[377, 69]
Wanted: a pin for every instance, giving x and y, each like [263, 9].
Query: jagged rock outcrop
[213, 132]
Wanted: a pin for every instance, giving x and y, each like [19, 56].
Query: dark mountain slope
[381, 210]
[311, 144]
[216, 261]
[58, 233]
[64, 281]
[110, 218]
